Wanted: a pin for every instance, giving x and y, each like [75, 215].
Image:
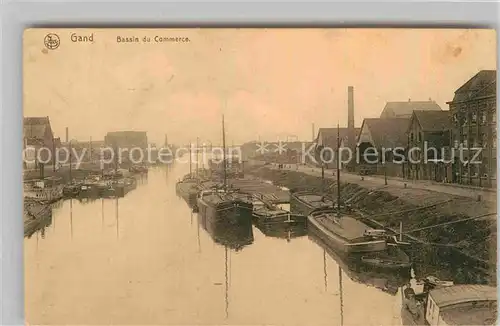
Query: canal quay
[146, 259]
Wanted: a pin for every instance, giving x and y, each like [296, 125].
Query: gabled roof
[481, 84]
[328, 136]
[387, 132]
[433, 120]
[406, 108]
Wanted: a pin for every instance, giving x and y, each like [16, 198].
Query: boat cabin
[462, 305]
[448, 304]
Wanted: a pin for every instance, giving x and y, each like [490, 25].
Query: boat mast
[224, 152]
[338, 170]
[190, 154]
[197, 144]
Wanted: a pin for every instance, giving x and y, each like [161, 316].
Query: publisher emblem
[51, 41]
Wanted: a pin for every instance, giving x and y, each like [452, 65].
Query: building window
[411, 136]
[419, 136]
[474, 117]
[464, 143]
[494, 140]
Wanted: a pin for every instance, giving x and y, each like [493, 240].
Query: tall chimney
[313, 133]
[351, 134]
[67, 135]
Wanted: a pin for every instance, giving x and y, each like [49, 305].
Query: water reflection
[233, 236]
[287, 232]
[71, 216]
[163, 271]
[384, 281]
[117, 219]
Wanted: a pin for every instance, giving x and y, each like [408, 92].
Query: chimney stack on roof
[409, 100]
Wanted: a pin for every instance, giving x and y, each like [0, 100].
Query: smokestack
[67, 135]
[351, 134]
[313, 133]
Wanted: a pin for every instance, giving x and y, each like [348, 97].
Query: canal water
[146, 259]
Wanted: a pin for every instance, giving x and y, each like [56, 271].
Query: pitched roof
[35, 127]
[480, 85]
[433, 120]
[328, 136]
[406, 108]
[387, 132]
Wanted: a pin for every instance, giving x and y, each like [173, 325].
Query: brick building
[429, 141]
[37, 134]
[383, 135]
[473, 111]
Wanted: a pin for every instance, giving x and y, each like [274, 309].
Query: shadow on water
[287, 232]
[232, 236]
[384, 281]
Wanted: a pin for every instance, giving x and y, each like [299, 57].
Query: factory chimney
[67, 135]
[351, 134]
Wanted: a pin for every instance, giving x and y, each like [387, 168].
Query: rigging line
[414, 209]
[451, 222]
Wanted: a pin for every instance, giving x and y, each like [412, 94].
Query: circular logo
[51, 41]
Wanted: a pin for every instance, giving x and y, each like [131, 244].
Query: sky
[270, 84]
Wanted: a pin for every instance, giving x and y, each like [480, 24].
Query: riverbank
[418, 209]
[36, 216]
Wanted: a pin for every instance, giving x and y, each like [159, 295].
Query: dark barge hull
[229, 212]
[279, 220]
[188, 193]
[377, 260]
[299, 206]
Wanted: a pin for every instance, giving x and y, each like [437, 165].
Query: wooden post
[53, 154]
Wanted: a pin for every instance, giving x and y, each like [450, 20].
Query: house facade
[381, 146]
[327, 142]
[474, 129]
[429, 146]
[37, 134]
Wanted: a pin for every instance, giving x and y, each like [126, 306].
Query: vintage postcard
[260, 176]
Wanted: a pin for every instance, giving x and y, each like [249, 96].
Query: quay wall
[474, 239]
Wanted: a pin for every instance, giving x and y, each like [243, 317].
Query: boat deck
[347, 227]
[315, 200]
[270, 192]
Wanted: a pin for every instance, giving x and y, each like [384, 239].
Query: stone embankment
[430, 218]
